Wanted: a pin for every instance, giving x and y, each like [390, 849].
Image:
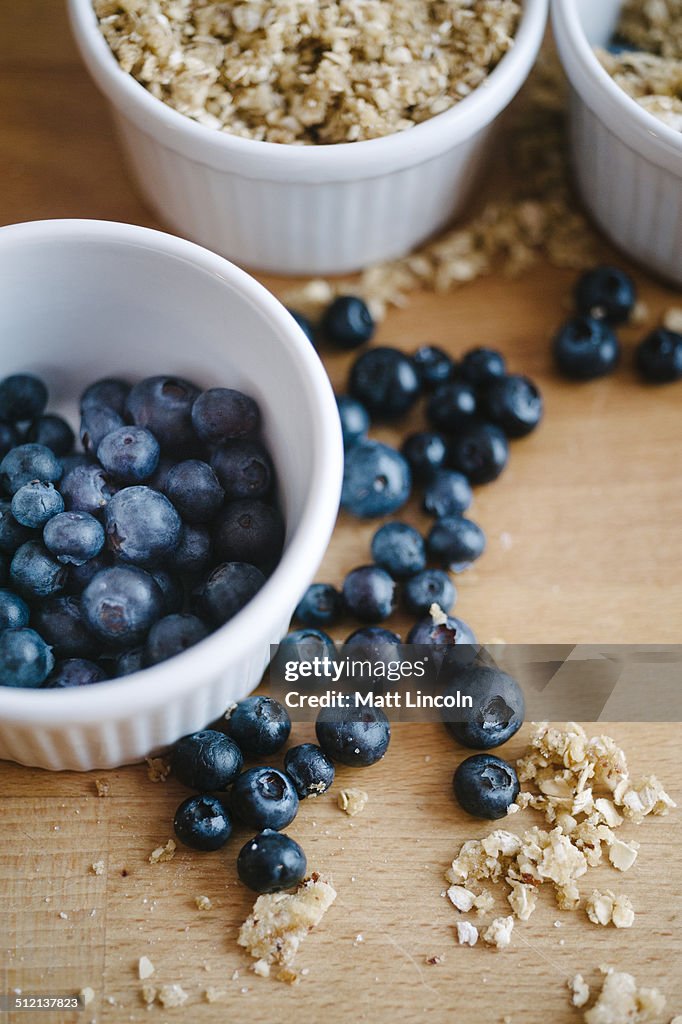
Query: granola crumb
[261, 968]
[87, 995]
[203, 903]
[640, 314]
[672, 319]
[498, 934]
[467, 933]
[102, 787]
[606, 908]
[64, 916]
[97, 867]
[215, 995]
[163, 853]
[171, 996]
[461, 898]
[158, 769]
[352, 801]
[580, 990]
[288, 976]
[145, 968]
[621, 1001]
[433, 961]
[148, 994]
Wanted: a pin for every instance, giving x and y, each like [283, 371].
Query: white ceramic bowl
[628, 164]
[86, 299]
[306, 209]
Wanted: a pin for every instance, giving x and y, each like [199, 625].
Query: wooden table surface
[585, 533]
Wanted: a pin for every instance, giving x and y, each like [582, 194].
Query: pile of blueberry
[123, 555]
[587, 346]
[265, 798]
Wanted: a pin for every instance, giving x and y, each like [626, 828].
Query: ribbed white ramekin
[306, 209]
[628, 164]
[86, 299]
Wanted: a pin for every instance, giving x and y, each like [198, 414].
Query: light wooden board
[585, 531]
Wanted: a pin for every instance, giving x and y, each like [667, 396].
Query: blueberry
[309, 769]
[159, 477]
[29, 462]
[399, 549]
[485, 786]
[385, 381]
[606, 293]
[374, 644]
[86, 489]
[453, 632]
[456, 542]
[426, 453]
[74, 537]
[193, 488]
[260, 726]
[347, 322]
[305, 324]
[25, 659]
[96, 422]
[354, 418]
[432, 586]
[35, 572]
[226, 590]
[244, 469]
[321, 605]
[9, 438]
[585, 348]
[264, 798]
[129, 662]
[60, 621]
[452, 406]
[433, 366]
[193, 552]
[4, 570]
[222, 414]
[250, 530]
[172, 635]
[376, 480]
[121, 604]
[142, 526]
[12, 534]
[36, 503]
[172, 590]
[110, 391]
[356, 736]
[270, 862]
[447, 494]
[22, 397]
[480, 366]
[202, 823]
[480, 452]
[164, 406]
[514, 404]
[14, 612]
[53, 432]
[80, 575]
[75, 672]
[659, 357]
[497, 710]
[207, 761]
[369, 593]
[129, 454]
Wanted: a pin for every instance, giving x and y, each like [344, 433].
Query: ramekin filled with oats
[623, 59]
[301, 136]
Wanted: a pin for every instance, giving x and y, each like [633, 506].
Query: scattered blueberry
[606, 293]
[374, 644]
[121, 604]
[270, 862]
[385, 381]
[376, 480]
[86, 488]
[480, 366]
[193, 488]
[321, 605]
[356, 736]
[250, 530]
[226, 590]
[142, 526]
[110, 391]
[223, 414]
[485, 786]
[432, 586]
[447, 494]
[202, 823]
[456, 542]
[369, 593]
[36, 503]
[301, 645]
[347, 322]
[61, 623]
[192, 555]
[264, 798]
[129, 454]
[514, 403]
[480, 452]
[585, 348]
[206, 761]
[25, 659]
[433, 366]
[172, 635]
[399, 549]
[452, 406]
[96, 422]
[28, 462]
[260, 726]
[426, 453]
[35, 572]
[244, 469]
[164, 406]
[309, 769]
[53, 432]
[354, 418]
[74, 537]
[497, 711]
[305, 324]
[659, 357]
[14, 612]
[75, 672]
[448, 634]
[22, 397]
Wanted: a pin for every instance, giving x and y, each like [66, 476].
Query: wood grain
[585, 531]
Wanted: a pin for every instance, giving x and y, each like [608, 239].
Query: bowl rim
[414, 145]
[243, 635]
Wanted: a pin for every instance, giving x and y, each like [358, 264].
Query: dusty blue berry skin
[321, 605]
[22, 397]
[96, 422]
[9, 438]
[305, 324]
[129, 455]
[14, 612]
[376, 480]
[514, 403]
[369, 593]
[109, 391]
[260, 726]
[347, 322]
[206, 761]
[172, 635]
[12, 533]
[658, 357]
[142, 526]
[121, 604]
[497, 711]
[36, 503]
[456, 542]
[271, 862]
[399, 549]
[164, 406]
[480, 366]
[585, 348]
[74, 537]
[226, 590]
[25, 659]
[385, 381]
[485, 786]
[432, 586]
[454, 632]
[75, 672]
[301, 645]
[35, 573]
[172, 590]
[203, 823]
[192, 555]
[448, 493]
[426, 453]
[480, 452]
[223, 414]
[61, 623]
[452, 406]
[53, 432]
[355, 736]
[355, 422]
[606, 292]
[264, 798]
[86, 488]
[433, 366]
[80, 575]
[129, 662]
[193, 488]
[28, 462]
[244, 469]
[309, 769]
[250, 530]
[372, 643]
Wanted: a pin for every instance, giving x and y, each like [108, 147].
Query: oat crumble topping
[621, 1001]
[498, 934]
[467, 933]
[145, 968]
[158, 769]
[102, 786]
[352, 801]
[97, 867]
[580, 990]
[203, 903]
[163, 853]
[605, 908]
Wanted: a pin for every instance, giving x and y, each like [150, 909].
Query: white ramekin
[628, 164]
[306, 209]
[85, 299]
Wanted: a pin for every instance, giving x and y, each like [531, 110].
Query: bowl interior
[598, 20]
